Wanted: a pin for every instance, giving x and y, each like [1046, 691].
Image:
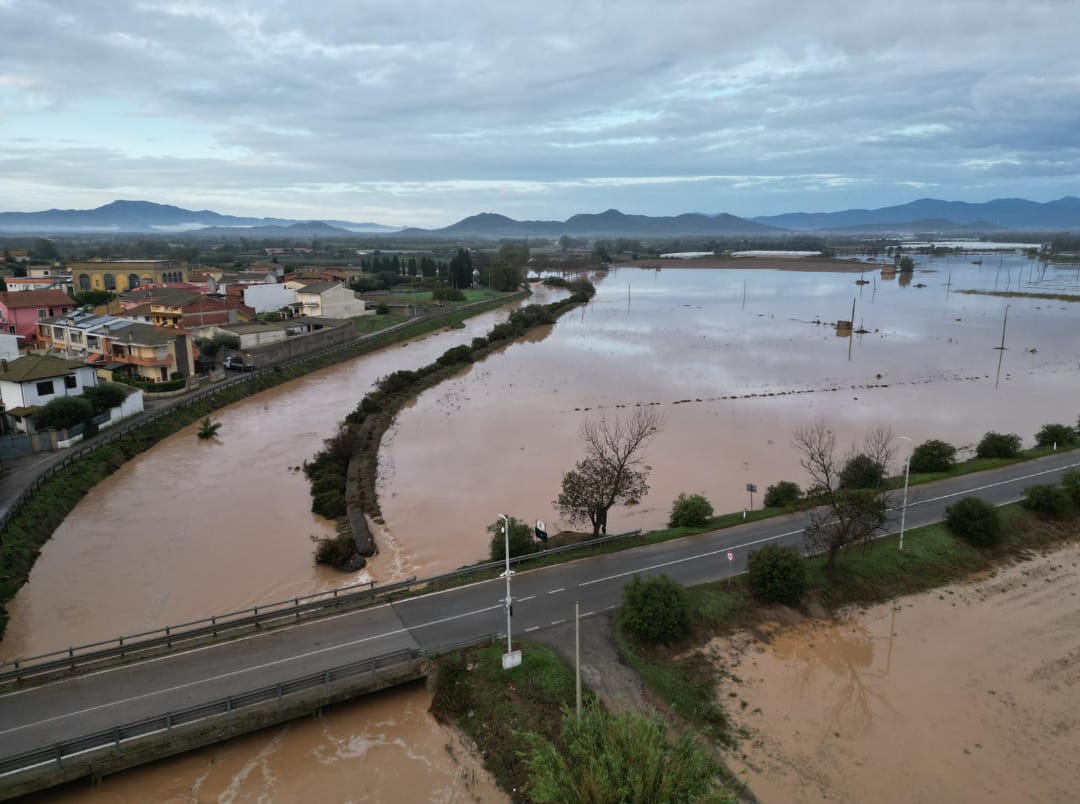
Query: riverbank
[344, 475]
[60, 488]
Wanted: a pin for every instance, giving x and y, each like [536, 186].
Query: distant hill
[611, 223]
[1001, 213]
[926, 226]
[148, 217]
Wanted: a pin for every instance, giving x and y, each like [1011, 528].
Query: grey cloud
[350, 94]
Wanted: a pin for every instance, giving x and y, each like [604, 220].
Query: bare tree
[846, 516]
[816, 445]
[611, 472]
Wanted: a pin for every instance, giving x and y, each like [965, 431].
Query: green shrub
[777, 574]
[655, 610]
[975, 521]
[381, 309]
[1048, 501]
[105, 396]
[63, 412]
[455, 355]
[618, 757]
[861, 472]
[1060, 434]
[692, 511]
[907, 264]
[998, 445]
[1070, 481]
[933, 456]
[782, 495]
[521, 539]
[479, 343]
[448, 294]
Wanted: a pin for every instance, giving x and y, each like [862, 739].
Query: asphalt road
[63, 710]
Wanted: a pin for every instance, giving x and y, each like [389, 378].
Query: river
[192, 528]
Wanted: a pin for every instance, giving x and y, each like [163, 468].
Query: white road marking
[534, 628]
[523, 599]
[558, 622]
[253, 668]
[556, 591]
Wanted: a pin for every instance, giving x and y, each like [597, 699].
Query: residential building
[268, 298]
[182, 309]
[20, 283]
[21, 311]
[32, 381]
[118, 346]
[121, 275]
[17, 255]
[330, 300]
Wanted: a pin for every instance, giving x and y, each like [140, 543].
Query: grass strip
[498, 708]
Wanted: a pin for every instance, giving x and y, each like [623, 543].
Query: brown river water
[192, 528]
[965, 694]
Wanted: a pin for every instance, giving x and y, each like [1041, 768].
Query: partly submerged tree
[611, 472]
[208, 428]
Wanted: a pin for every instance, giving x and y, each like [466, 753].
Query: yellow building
[119, 275]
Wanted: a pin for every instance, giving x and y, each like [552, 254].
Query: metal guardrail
[132, 647]
[113, 737]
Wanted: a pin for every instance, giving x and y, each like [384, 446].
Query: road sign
[730, 556]
[751, 487]
[541, 531]
[512, 659]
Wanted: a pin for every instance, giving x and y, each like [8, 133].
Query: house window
[70, 381]
[42, 314]
[110, 282]
[45, 388]
[11, 331]
[84, 282]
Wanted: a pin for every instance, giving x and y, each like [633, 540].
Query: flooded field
[735, 360]
[965, 694]
[193, 528]
[383, 748]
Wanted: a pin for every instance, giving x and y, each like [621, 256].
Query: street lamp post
[511, 658]
[903, 507]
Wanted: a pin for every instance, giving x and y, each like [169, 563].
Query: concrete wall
[299, 346]
[268, 298]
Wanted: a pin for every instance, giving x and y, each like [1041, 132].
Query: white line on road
[254, 668]
[556, 591]
[534, 628]
[558, 622]
[689, 558]
[523, 599]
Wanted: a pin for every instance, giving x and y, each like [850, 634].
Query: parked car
[236, 362]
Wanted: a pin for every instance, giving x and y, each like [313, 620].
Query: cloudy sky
[421, 112]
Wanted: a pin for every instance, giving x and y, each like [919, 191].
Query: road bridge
[174, 702]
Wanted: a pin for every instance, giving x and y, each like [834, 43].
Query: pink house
[20, 311]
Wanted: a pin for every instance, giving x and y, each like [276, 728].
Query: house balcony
[136, 360]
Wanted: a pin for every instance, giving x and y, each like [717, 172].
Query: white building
[330, 300]
[35, 380]
[268, 298]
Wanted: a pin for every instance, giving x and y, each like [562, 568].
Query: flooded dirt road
[733, 379]
[381, 749]
[966, 694]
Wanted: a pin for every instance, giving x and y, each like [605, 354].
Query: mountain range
[148, 217]
[927, 215]
[1001, 213]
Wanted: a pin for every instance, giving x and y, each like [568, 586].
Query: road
[38, 717]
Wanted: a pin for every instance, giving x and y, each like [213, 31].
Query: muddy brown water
[384, 748]
[192, 528]
[966, 694]
[733, 380]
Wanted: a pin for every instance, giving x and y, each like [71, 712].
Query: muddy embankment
[969, 692]
[823, 264]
